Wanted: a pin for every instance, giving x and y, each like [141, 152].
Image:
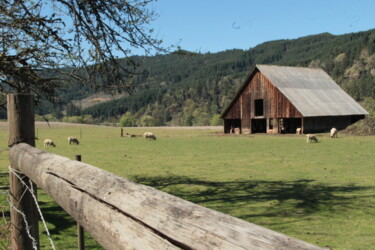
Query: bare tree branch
[48, 42]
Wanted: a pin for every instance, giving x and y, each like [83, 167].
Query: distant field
[322, 193]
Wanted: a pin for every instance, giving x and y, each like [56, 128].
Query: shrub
[216, 120]
[127, 120]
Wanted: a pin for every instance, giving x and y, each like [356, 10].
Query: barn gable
[277, 99]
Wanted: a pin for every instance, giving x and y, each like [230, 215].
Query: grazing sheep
[311, 138]
[49, 142]
[149, 135]
[334, 133]
[299, 131]
[73, 140]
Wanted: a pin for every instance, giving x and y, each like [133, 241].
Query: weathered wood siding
[246, 110]
[235, 111]
[276, 105]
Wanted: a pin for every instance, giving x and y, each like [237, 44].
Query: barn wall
[234, 112]
[233, 118]
[246, 109]
[275, 105]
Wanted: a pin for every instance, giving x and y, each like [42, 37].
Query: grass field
[322, 193]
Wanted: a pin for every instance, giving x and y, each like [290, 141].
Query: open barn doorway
[289, 125]
[258, 125]
[232, 125]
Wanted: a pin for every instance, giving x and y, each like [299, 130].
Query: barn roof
[310, 90]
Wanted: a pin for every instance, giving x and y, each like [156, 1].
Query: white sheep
[311, 138]
[49, 142]
[73, 140]
[334, 133]
[149, 135]
[299, 131]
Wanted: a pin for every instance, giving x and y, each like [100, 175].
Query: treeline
[185, 88]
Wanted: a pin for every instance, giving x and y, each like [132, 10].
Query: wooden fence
[121, 214]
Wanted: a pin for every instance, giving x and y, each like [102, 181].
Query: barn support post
[80, 231]
[21, 128]
[302, 125]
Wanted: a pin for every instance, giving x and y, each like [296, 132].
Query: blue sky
[218, 25]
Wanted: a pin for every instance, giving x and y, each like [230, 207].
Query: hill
[184, 88]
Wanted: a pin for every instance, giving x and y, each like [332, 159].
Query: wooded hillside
[185, 88]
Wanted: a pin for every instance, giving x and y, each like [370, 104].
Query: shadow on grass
[262, 198]
[64, 227]
[55, 215]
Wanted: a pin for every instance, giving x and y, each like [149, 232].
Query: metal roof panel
[311, 91]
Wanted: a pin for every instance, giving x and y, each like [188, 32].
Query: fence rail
[121, 214]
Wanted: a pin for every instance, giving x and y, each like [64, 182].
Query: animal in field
[237, 131]
[73, 140]
[149, 135]
[334, 133]
[310, 138]
[299, 131]
[49, 142]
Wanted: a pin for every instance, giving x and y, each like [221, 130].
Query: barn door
[258, 125]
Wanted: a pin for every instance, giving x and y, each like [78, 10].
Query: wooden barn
[278, 99]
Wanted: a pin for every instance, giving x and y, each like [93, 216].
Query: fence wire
[31, 190]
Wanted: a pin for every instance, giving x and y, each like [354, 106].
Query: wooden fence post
[21, 128]
[80, 231]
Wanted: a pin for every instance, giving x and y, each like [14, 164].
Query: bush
[73, 119]
[369, 104]
[127, 120]
[216, 120]
[147, 121]
[48, 117]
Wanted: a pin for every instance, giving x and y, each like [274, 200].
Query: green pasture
[322, 193]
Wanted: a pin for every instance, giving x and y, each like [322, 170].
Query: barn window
[259, 107]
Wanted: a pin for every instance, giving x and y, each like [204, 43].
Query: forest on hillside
[187, 88]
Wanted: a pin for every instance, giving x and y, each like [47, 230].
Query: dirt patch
[96, 99]
[361, 128]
